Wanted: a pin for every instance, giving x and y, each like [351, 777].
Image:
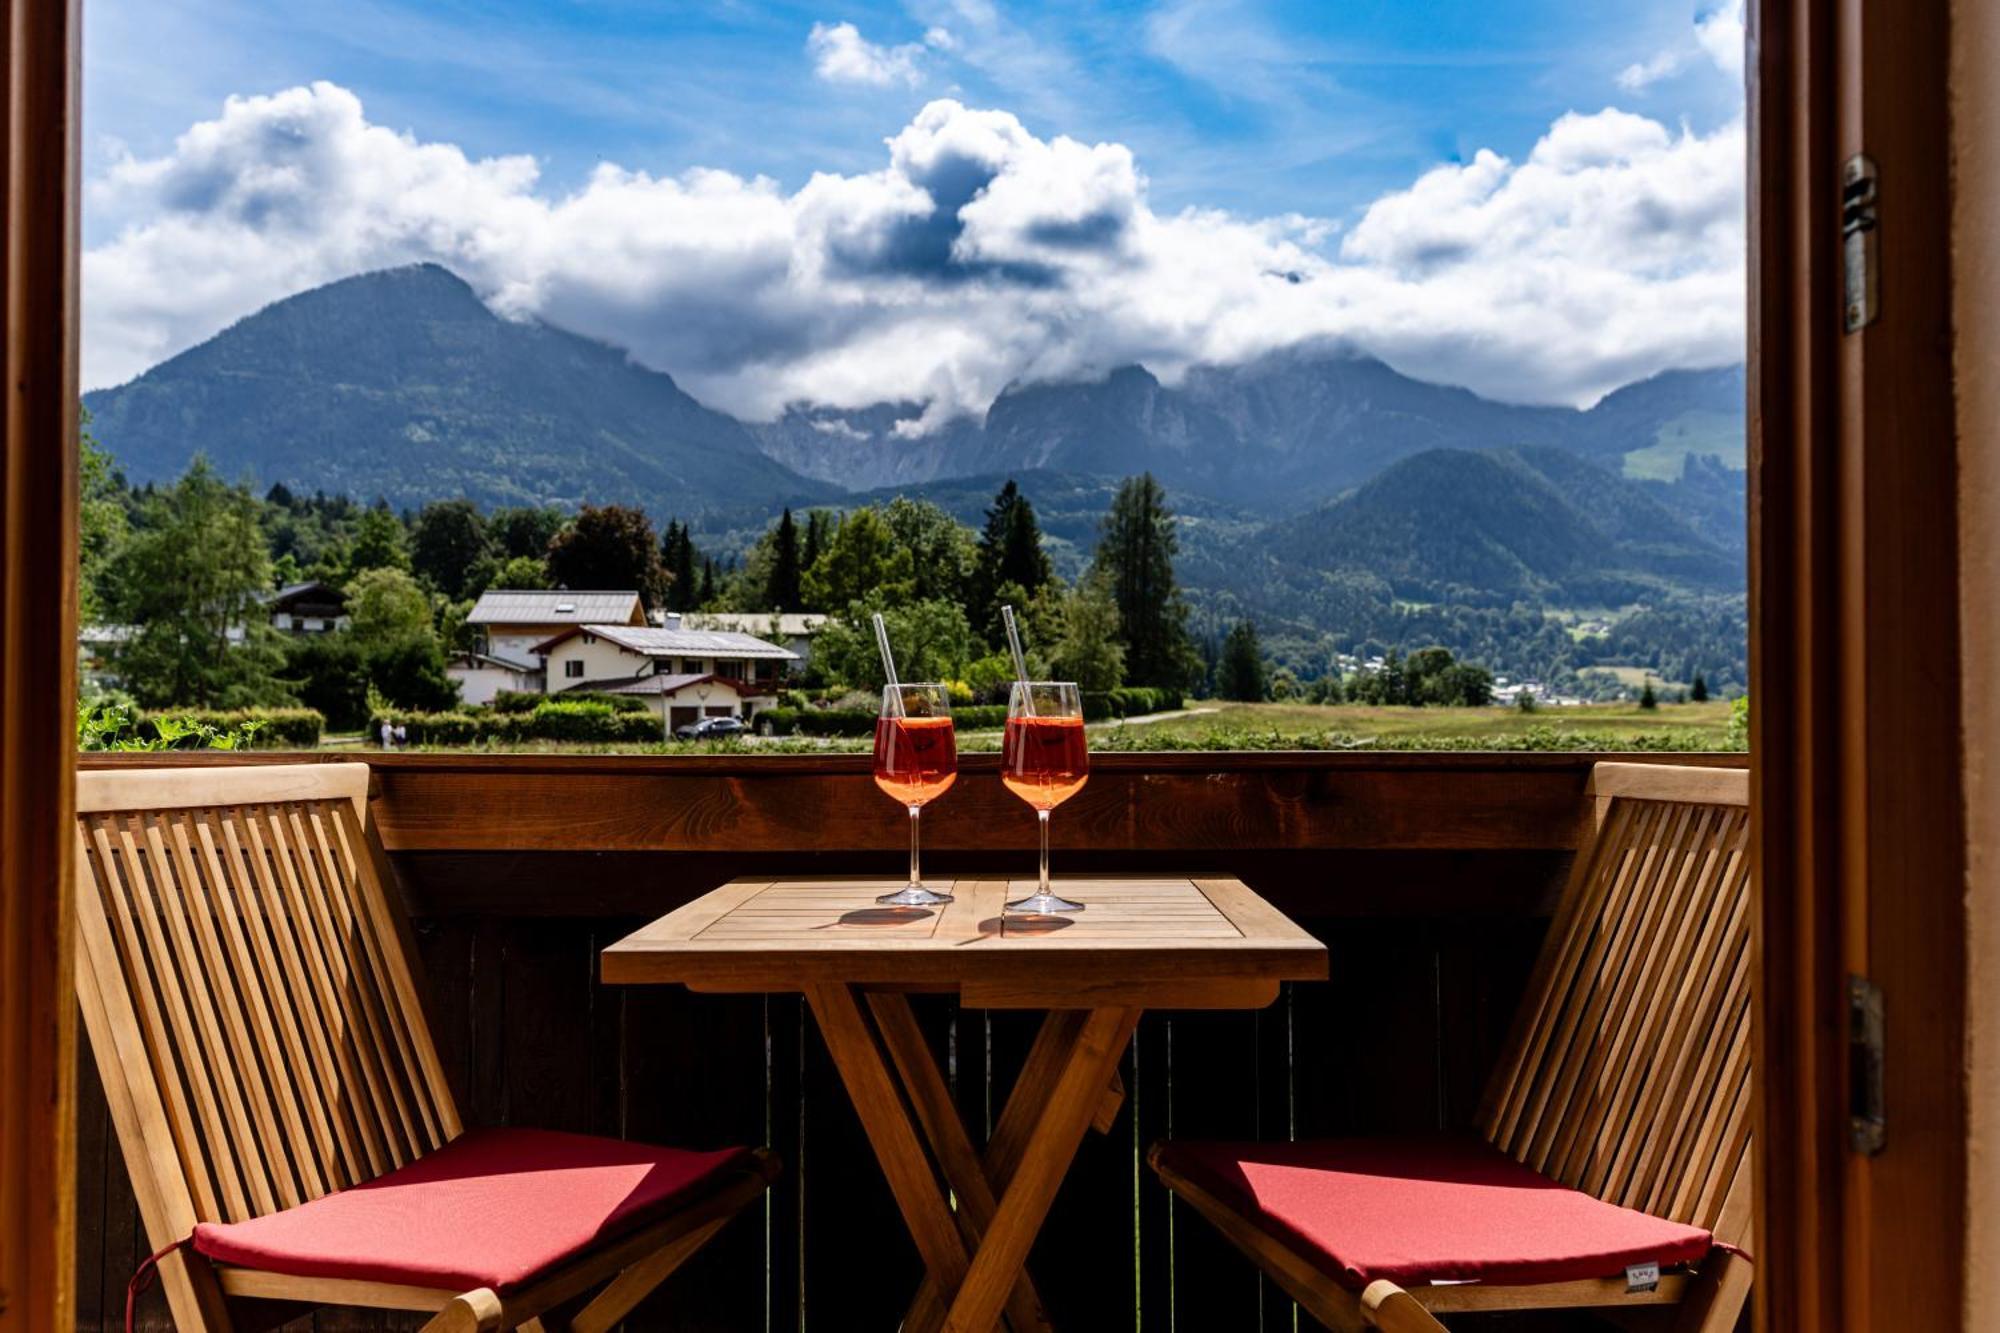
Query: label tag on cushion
[1642, 1277]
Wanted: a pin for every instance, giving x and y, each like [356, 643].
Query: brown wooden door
[1855, 663]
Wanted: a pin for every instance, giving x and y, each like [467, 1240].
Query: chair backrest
[1628, 1071]
[249, 989]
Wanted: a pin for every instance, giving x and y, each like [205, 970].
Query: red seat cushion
[1428, 1210]
[492, 1208]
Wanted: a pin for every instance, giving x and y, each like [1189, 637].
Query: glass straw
[888, 663]
[1020, 658]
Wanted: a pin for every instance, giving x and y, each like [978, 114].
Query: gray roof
[690, 643]
[656, 684]
[543, 607]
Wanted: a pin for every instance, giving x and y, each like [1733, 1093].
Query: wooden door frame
[38, 281]
[1859, 829]
[1858, 764]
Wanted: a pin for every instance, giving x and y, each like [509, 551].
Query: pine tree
[1698, 693]
[1010, 552]
[708, 576]
[1648, 699]
[783, 593]
[1135, 552]
[1240, 673]
[677, 553]
[819, 527]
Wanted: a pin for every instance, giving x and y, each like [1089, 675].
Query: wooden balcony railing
[1429, 876]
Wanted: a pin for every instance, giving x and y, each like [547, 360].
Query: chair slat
[1628, 1073]
[251, 993]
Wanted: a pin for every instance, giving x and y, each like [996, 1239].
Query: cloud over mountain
[979, 253]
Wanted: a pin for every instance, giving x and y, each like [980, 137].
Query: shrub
[527, 701]
[258, 728]
[574, 720]
[430, 728]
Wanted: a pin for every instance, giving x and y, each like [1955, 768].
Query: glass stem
[1042, 817]
[916, 876]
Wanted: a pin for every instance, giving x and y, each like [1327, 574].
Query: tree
[524, 532]
[101, 522]
[1010, 552]
[190, 582]
[379, 542]
[410, 673]
[1647, 699]
[448, 544]
[941, 549]
[932, 641]
[783, 591]
[819, 531]
[330, 672]
[677, 554]
[1135, 552]
[1088, 651]
[1240, 672]
[862, 557]
[709, 583]
[521, 571]
[386, 605]
[609, 548]
[1698, 693]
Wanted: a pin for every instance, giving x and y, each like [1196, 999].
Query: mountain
[1280, 433]
[402, 384]
[1491, 526]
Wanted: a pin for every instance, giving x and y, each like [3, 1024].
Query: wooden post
[38, 121]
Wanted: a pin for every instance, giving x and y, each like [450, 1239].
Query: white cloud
[977, 254]
[842, 55]
[1718, 35]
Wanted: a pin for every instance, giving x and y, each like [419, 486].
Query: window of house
[573, 668]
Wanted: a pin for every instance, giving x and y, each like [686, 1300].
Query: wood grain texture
[1158, 940]
[39, 126]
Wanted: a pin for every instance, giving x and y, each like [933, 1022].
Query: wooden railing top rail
[1193, 802]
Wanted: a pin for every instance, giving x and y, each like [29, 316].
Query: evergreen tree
[1135, 553]
[784, 592]
[1240, 673]
[1010, 551]
[818, 531]
[861, 557]
[1699, 692]
[101, 520]
[379, 541]
[1648, 699]
[708, 582]
[609, 548]
[677, 551]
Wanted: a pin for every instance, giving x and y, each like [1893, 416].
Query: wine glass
[916, 761]
[1044, 760]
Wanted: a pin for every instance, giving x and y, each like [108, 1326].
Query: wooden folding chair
[1626, 1082]
[252, 997]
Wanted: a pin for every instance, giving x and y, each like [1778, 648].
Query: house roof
[558, 607]
[788, 624]
[318, 592]
[655, 684]
[652, 642]
[506, 662]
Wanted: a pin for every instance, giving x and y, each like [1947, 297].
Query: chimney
[673, 620]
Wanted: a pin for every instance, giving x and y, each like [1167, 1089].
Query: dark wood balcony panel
[1178, 802]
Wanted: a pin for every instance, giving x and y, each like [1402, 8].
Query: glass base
[1043, 904]
[914, 895]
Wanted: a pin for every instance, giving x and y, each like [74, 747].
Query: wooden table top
[1147, 940]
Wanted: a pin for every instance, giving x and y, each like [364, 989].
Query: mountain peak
[423, 291]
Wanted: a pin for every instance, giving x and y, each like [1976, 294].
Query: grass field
[1232, 726]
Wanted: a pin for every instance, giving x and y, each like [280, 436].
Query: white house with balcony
[511, 623]
[682, 674]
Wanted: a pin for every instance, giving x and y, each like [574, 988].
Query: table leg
[873, 1092]
[1053, 1046]
[1045, 1156]
[963, 1171]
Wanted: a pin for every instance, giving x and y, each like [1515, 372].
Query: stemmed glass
[1044, 760]
[916, 761]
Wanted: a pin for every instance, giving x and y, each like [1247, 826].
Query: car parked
[712, 729]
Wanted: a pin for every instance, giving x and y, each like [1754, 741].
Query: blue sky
[1260, 107]
[1327, 114]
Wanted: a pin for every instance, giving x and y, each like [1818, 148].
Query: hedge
[1130, 701]
[553, 720]
[278, 729]
[970, 717]
[527, 701]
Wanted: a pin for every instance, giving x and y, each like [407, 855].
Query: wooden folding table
[1144, 941]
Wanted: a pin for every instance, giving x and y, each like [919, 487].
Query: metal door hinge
[1858, 224]
[1866, 1122]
